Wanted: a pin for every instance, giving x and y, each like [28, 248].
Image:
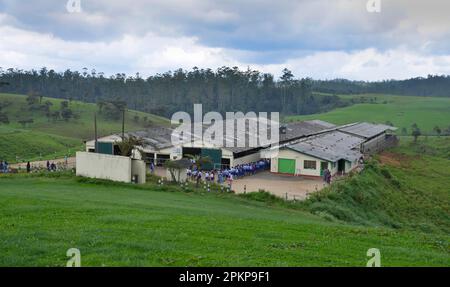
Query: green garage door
[286, 165]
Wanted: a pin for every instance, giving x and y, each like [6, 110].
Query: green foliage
[48, 135]
[151, 225]
[227, 88]
[128, 143]
[413, 195]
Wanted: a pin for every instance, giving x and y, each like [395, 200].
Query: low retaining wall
[111, 167]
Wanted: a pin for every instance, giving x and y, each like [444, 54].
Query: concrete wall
[138, 169]
[379, 143]
[246, 159]
[112, 167]
[180, 175]
[104, 166]
[111, 138]
[299, 163]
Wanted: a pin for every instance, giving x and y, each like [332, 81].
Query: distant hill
[30, 134]
[400, 111]
[432, 86]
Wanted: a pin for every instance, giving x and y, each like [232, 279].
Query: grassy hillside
[407, 187]
[54, 138]
[399, 206]
[40, 218]
[402, 111]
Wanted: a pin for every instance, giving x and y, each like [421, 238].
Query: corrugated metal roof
[321, 123]
[157, 138]
[331, 146]
[366, 130]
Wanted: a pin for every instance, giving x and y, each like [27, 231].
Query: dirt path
[43, 163]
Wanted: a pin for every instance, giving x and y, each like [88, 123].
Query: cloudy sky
[321, 39]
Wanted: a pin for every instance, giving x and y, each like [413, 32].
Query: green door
[323, 166]
[286, 165]
[215, 155]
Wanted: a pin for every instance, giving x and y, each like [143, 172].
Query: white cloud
[152, 53]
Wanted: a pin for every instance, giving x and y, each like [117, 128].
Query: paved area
[295, 187]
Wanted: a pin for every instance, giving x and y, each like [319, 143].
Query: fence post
[286, 196]
[245, 189]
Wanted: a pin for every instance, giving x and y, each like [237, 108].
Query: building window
[309, 164]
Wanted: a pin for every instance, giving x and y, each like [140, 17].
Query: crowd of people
[49, 166]
[4, 166]
[227, 174]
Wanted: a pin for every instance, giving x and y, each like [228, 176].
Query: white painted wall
[138, 168]
[112, 167]
[180, 175]
[111, 138]
[104, 166]
[299, 163]
[246, 159]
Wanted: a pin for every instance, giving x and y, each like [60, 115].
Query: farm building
[159, 148]
[305, 148]
[338, 149]
[376, 137]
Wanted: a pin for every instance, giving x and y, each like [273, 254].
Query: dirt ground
[71, 162]
[394, 159]
[295, 187]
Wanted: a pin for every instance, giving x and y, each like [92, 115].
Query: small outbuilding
[335, 151]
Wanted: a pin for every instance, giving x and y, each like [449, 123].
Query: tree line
[431, 86]
[222, 90]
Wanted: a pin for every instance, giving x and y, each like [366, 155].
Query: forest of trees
[432, 86]
[226, 89]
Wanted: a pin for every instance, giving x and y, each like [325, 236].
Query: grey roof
[366, 130]
[159, 137]
[155, 138]
[321, 123]
[331, 146]
[295, 130]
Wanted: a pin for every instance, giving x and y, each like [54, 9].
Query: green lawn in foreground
[49, 138]
[115, 226]
[402, 111]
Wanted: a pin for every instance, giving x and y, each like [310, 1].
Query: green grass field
[54, 139]
[42, 217]
[402, 111]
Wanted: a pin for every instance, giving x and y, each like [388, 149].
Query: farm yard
[283, 186]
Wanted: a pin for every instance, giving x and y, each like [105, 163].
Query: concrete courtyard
[295, 187]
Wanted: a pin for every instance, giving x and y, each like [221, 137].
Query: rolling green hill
[48, 138]
[402, 211]
[406, 187]
[402, 111]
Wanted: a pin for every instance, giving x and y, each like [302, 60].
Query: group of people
[226, 174]
[327, 175]
[50, 166]
[4, 166]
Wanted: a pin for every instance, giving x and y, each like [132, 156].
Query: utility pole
[123, 123]
[95, 131]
